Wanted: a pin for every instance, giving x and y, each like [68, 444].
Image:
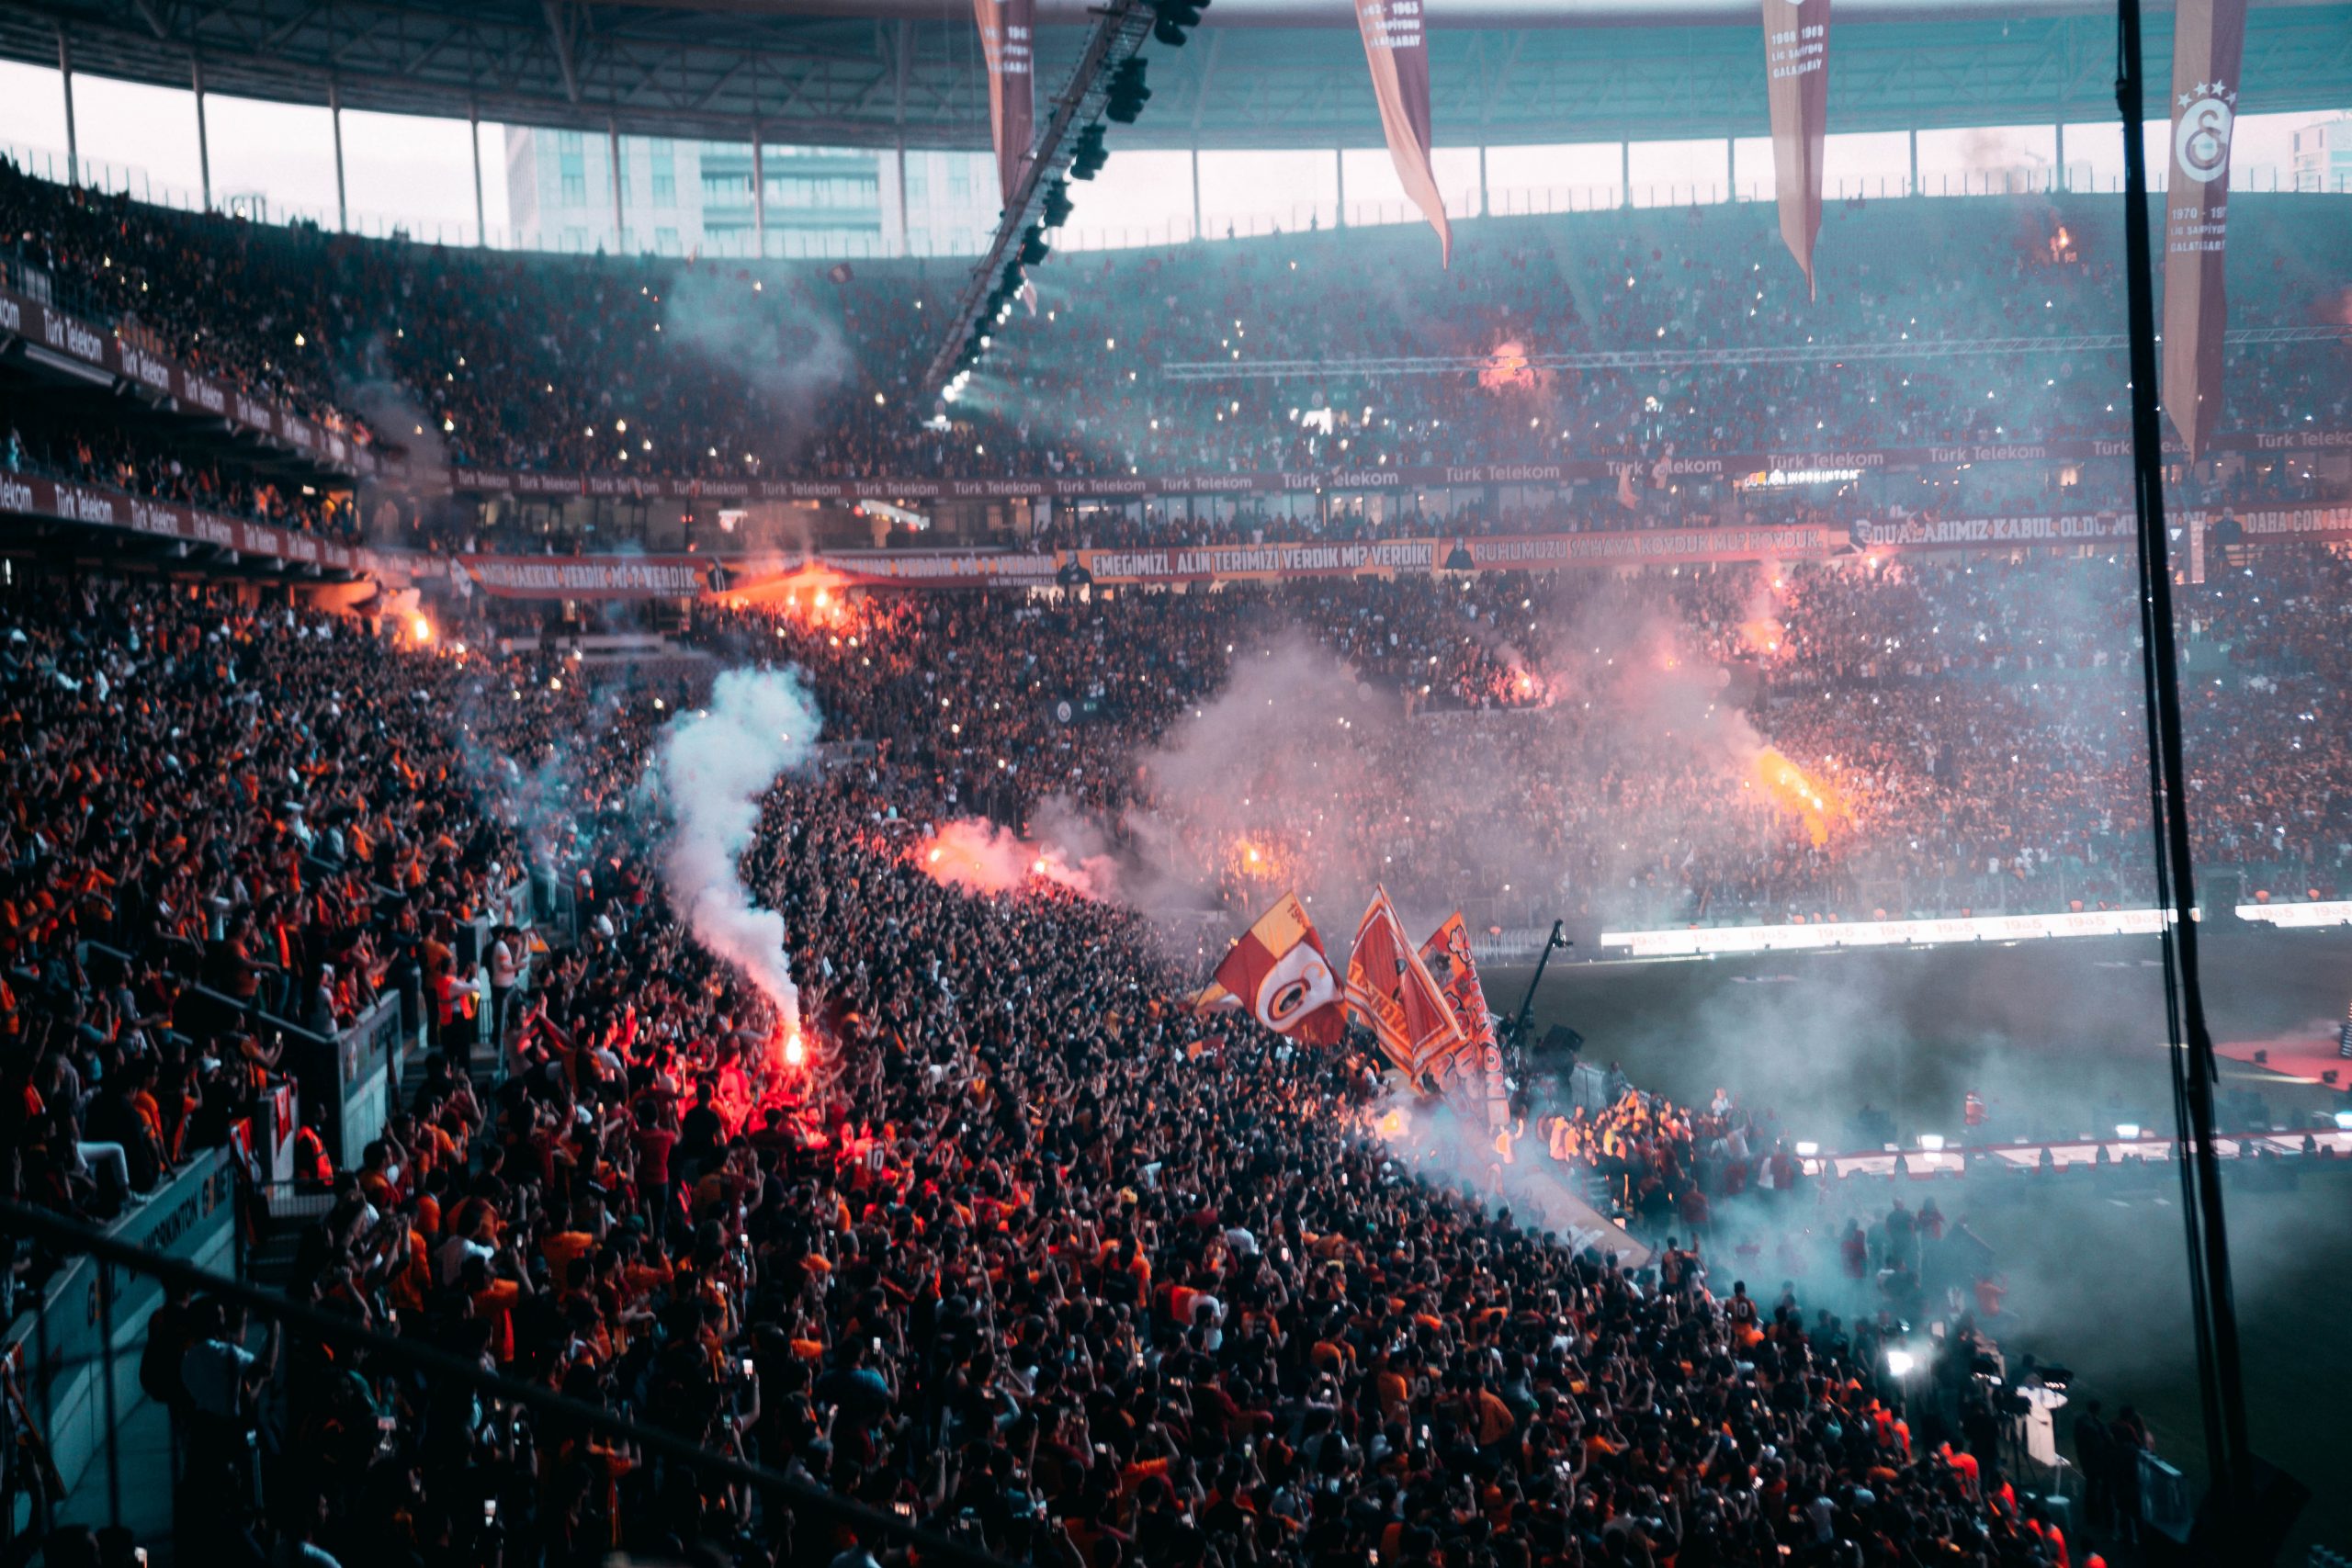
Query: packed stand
[1024, 1256]
[658, 369]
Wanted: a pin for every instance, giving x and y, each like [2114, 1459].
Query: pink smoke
[979, 856]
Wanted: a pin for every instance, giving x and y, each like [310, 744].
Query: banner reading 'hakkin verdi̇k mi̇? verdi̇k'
[1397, 51]
[1006, 29]
[1796, 61]
[2207, 40]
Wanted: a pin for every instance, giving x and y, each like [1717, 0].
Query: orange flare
[1819, 805]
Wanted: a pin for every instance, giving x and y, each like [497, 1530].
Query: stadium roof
[1263, 73]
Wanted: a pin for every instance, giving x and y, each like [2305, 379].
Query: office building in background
[679, 196]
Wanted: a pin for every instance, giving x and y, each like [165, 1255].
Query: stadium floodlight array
[1108, 81]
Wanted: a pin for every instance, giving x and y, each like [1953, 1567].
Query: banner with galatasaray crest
[1278, 972]
[1396, 48]
[1796, 87]
[2207, 42]
[1007, 29]
[1391, 992]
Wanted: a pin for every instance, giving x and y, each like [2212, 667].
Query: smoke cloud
[983, 857]
[713, 765]
[790, 352]
[1252, 792]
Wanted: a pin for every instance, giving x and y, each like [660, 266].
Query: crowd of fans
[34, 439]
[1025, 1254]
[1612, 747]
[643, 367]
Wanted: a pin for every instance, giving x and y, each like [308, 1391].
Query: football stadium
[1176, 784]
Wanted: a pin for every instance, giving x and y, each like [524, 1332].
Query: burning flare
[981, 857]
[1787, 786]
[1508, 365]
[1258, 861]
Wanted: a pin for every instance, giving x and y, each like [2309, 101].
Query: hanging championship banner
[2208, 38]
[1796, 59]
[1006, 27]
[1398, 54]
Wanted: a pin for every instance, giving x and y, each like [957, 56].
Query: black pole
[2214, 1308]
[1527, 1002]
[105, 1374]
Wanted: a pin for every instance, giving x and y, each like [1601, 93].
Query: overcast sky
[418, 172]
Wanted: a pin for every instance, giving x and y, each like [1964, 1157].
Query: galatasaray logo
[2201, 135]
[1299, 984]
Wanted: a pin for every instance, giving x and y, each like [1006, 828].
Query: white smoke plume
[791, 352]
[713, 765]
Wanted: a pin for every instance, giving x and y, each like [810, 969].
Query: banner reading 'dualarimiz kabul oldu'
[2207, 40]
[1398, 52]
[1006, 29]
[1796, 59]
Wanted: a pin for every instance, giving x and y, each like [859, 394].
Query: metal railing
[349, 1077]
[73, 1352]
[124, 1278]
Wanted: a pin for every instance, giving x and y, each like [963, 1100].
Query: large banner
[1796, 62]
[1007, 28]
[2208, 37]
[75, 342]
[939, 568]
[592, 577]
[685, 576]
[1791, 467]
[1396, 48]
[2226, 525]
[1228, 563]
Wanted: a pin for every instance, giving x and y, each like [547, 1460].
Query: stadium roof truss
[1264, 72]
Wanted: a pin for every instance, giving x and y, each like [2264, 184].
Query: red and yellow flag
[1477, 1062]
[1278, 973]
[1390, 992]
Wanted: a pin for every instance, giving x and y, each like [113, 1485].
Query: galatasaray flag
[1389, 992]
[2208, 42]
[1277, 973]
[1447, 958]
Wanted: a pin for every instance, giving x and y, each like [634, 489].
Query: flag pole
[1527, 1003]
[2213, 1306]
